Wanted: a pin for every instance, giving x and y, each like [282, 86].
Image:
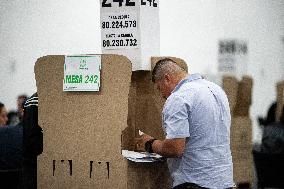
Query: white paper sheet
[143, 157]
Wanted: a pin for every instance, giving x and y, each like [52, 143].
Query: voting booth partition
[239, 95]
[279, 99]
[84, 132]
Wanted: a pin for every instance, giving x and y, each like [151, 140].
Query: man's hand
[140, 142]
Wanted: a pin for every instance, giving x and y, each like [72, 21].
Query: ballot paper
[143, 157]
[141, 133]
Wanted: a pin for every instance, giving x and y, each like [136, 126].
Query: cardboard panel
[144, 113]
[231, 86]
[149, 175]
[239, 96]
[241, 147]
[83, 126]
[280, 99]
[244, 97]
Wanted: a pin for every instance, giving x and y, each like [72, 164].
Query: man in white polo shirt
[196, 122]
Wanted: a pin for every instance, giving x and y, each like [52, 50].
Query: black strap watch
[148, 145]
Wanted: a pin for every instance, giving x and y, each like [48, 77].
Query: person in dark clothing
[32, 142]
[14, 117]
[11, 156]
[273, 137]
[270, 117]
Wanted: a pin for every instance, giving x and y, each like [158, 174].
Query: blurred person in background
[11, 153]
[270, 117]
[3, 115]
[14, 117]
[273, 137]
[11, 156]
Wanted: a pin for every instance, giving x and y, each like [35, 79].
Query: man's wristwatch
[148, 145]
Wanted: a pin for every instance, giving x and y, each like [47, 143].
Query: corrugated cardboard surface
[241, 147]
[230, 86]
[84, 127]
[149, 176]
[244, 97]
[145, 115]
[239, 95]
[280, 99]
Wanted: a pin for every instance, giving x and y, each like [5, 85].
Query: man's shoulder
[176, 101]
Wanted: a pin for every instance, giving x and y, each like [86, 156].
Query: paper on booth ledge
[141, 156]
[141, 133]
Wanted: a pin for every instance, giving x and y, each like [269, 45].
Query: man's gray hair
[165, 66]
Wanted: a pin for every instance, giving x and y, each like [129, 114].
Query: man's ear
[167, 77]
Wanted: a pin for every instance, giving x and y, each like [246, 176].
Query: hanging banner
[131, 28]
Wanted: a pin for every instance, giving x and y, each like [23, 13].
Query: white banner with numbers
[131, 28]
[119, 30]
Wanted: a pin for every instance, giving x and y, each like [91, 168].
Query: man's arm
[171, 148]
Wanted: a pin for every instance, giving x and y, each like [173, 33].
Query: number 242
[127, 3]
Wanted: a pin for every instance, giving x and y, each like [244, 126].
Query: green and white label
[82, 73]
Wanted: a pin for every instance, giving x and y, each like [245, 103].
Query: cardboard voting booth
[239, 96]
[84, 132]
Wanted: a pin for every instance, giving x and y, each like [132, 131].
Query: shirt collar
[189, 78]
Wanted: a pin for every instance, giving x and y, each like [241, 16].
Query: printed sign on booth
[82, 73]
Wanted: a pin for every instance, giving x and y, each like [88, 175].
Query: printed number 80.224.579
[119, 24]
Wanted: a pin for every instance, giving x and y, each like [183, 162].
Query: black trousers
[190, 186]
